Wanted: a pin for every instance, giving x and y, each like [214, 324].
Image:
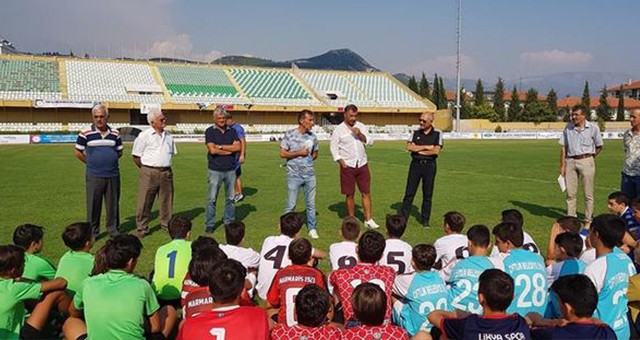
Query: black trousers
[424, 170]
[109, 190]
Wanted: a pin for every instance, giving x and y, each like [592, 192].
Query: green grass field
[44, 184]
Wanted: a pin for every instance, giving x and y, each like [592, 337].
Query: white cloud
[555, 59]
[446, 66]
[180, 46]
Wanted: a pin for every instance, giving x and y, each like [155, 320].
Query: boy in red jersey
[370, 307]
[227, 319]
[313, 305]
[370, 248]
[291, 279]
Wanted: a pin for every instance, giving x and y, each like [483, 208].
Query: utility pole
[458, 65]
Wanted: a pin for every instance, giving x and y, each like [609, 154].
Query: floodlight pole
[458, 64]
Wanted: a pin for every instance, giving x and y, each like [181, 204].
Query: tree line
[477, 105]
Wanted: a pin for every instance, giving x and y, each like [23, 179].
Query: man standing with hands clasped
[347, 148]
[424, 145]
[581, 143]
[152, 153]
[630, 183]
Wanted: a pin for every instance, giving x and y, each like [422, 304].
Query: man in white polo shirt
[347, 148]
[152, 154]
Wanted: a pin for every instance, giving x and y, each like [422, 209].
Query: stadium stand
[272, 87]
[192, 84]
[327, 84]
[385, 91]
[29, 79]
[112, 82]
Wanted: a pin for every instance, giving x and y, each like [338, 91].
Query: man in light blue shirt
[300, 148]
[581, 142]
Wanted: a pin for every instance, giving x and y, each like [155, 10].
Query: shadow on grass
[341, 209]
[249, 191]
[539, 210]
[415, 211]
[130, 222]
[243, 210]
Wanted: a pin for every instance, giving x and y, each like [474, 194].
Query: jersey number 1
[172, 263]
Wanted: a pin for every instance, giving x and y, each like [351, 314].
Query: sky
[500, 38]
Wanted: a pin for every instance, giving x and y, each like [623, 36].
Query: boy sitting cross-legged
[76, 264]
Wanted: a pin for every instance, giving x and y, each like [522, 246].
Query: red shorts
[349, 177]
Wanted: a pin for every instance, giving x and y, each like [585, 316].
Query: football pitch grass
[44, 185]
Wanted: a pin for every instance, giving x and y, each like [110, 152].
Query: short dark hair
[234, 232]
[424, 256]
[396, 225]
[312, 305]
[76, 235]
[369, 304]
[513, 216]
[507, 231]
[300, 251]
[610, 229]
[179, 227]
[455, 221]
[11, 258]
[620, 197]
[579, 292]
[121, 249]
[304, 113]
[571, 242]
[227, 281]
[569, 223]
[26, 234]
[202, 243]
[201, 266]
[350, 228]
[581, 108]
[291, 223]
[479, 235]
[635, 203]
[497, 288]
[351, 108]
[100, 262]
[371, 246]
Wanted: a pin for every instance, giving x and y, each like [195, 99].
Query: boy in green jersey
[172, 262]
[117, 303]
[13, 294]
[30, 238]
[76, 264]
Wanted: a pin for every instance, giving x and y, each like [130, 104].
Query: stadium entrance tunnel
[129, 133]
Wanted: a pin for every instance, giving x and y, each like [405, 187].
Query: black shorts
[176, 303]
[29, 332]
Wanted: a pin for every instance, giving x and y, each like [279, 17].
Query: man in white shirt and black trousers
[152, 152]
[347, 148]
[424, 145]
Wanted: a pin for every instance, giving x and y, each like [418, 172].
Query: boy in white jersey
[419, 293]
[525, 267]
[343, 254]
[463, 282]
[514, 216]
[397, 253]
[562, 225]
[610, 272]
[273, 255]
[250, 259]
[453, 246]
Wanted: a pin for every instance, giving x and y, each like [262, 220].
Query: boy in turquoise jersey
[13, 294]
[30, 238]
[76, 264]
[463, 292]
[525, 267]
[568, 247]
[610, 272]
[172, 262]
[419, 292]
[115, 304]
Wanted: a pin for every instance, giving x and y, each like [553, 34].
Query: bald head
[426, 120]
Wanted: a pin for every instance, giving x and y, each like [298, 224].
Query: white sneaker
[313, 234]
[371, 224]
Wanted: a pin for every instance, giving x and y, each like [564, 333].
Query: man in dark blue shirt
[100, 149]
[222, 145]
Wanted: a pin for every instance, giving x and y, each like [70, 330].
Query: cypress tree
[498, 100]
[620, 113]
[513, 113]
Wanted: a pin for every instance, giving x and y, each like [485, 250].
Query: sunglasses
[422, 120]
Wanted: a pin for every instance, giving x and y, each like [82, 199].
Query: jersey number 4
[276, 255]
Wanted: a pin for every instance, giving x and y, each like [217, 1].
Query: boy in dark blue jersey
[578, 299]
[495, 294]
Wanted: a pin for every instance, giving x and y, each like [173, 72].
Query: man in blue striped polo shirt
[100, 148]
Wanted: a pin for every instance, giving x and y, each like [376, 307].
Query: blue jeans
[630, 185]
[307, 181]
[216, 179]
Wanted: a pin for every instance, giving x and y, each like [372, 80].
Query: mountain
[343, 59]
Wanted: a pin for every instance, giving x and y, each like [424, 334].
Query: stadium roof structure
[70, 82]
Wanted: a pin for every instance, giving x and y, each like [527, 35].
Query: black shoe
[425, 225]
[209, 230]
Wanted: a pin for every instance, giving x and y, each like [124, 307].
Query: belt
[160, 168]
[586, 155]
[424, 161]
